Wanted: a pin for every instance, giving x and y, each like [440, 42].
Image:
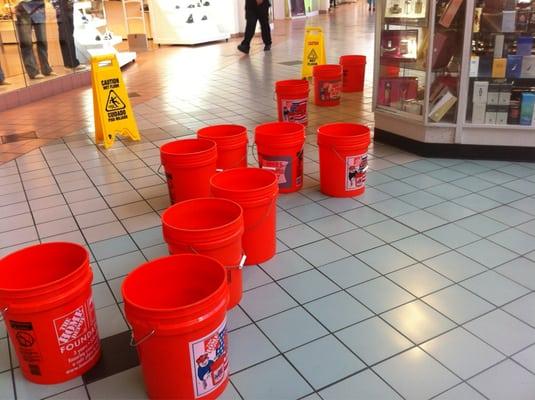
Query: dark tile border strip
[117, 356]
[463, 151]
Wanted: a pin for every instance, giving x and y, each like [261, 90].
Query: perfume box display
[493, 95]
[499, 40]
[504, 98]
[522, 20]
[444, 103]
[478, 113]
[450, 12]
[485, 66]
[514, 66]
[474, 66]
[399, 45]
[393, 91]
[490, 116]
[498, 67]
[481, 90]
[524, 45]
[406, 9]
[501, 115]
[476, 26]
[443, 49]
[508, 21]
[527, 102]
[528, 67]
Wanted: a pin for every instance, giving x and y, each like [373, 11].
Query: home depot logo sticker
[71, 326]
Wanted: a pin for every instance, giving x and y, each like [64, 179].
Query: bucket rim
[353, 59]
[171, 208]
[262, 189]
[269, 129]
[291, 82]
[346, 125]
[327, 68]
[211, 146]
[240, 131]
[71, 275]
[221, 288]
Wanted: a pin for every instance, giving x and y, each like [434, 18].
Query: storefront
[456, 78]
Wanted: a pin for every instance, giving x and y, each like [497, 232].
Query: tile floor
[422, 288]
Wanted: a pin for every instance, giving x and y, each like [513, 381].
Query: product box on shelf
[522, 20]
[393, 91]
[528, 67]
[508, 21]
[443, 49]
[445, 102]
[478, 113]
[406, 9]
[524, 45]
[491, 115]
[481, 90]
[474, 66]
[493, 96]
[499, 67]
[504, 98]
[485, 66]
[499, 40]
[501, 115]
[526, 108]
[514, 66]
[450, 12]
[399, 45]
[476, 26]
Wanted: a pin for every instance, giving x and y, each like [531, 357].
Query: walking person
[256, 10]
[371, 5]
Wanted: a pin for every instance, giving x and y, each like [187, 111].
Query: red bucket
[189, 164]
[327, 84]
[256, 191]
[45, 295]
[292, 100]
[177, 307]
[343, 151]
[354, 68]
[280, 147]
[231, 143]
[209, 226]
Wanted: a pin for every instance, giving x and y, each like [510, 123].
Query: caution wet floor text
[112, 110]
[314, 50]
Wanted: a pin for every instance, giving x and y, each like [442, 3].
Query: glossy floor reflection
[422, 288]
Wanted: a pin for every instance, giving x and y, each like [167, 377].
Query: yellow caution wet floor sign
[112, 109]
[314, 51]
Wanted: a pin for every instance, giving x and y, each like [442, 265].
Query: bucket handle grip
[145, 338]
[2, 313]
[240, 265]
[253, 147]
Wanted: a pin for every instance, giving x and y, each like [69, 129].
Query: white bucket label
[294, 110]
[356, 167]
[281, 166]
[209, 361]
[77, 336]
[330, 90]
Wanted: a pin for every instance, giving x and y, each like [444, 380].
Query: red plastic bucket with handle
[47, 306]
[354, 68]
[256, 190]
[292, 100]
[188, 165]
[231, 143]
[343, 151]
[280, 148]
[209, 226]
[327, 84]
[176, 306]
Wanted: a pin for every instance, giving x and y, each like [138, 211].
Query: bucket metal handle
[253, 147]
[145, 338]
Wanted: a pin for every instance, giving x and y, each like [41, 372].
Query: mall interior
[415, 280]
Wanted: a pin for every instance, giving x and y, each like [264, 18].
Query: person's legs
[42, 48]
[249, 33]
[263, 17]
[24, 31]
[66, 42]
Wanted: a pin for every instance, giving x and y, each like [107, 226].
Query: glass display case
[502, 64]
[456, 77]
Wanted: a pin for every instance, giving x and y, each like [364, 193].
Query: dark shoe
[267, 47]
[204, 18]
[243, 49]
[190, 19]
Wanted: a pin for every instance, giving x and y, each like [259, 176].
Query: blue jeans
[24, 30]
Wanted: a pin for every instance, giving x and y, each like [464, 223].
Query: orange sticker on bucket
[209, 361]
[356, 167]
